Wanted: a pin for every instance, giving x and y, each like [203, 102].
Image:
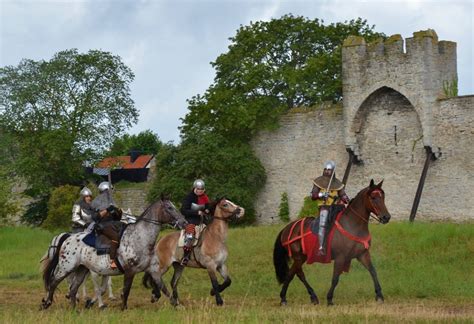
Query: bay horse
[210, 253]
[351, 240]
[135, 253]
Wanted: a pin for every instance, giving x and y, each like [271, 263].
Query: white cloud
[169, 44]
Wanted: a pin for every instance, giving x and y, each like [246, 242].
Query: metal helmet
[330, 165]
[86, 192]
[103, 186]
[199, 184]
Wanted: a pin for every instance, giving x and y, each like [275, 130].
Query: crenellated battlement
[417, 67]
[421, 44]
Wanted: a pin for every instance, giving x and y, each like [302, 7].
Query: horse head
[375, 202]
[169, 214]
[223, 208]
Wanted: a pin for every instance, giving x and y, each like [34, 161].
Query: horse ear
[372, 184]
[380, 184]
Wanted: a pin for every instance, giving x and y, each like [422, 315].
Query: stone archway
[389, 135]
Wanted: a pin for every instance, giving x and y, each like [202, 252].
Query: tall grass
[425, 269]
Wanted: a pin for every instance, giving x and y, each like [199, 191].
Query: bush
[310, 208]
[60, 207]
[284, 209]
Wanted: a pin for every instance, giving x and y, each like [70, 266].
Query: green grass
[425, 269]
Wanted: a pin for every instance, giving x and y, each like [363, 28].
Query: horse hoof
[330, 303]
[220, 303]
[283, 303]
[379, 300]
[213, 292]
[174, 302]
[112, 298]
[103, 307]
[89, 303]
[315, 301]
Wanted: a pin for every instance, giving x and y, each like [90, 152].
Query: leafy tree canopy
[64, 111]
[229, 169]
[146, 142]
[270, 67]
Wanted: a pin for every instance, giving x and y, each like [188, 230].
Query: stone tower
[419, 73]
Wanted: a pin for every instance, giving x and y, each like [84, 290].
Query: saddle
[198, 229]
[99, 241]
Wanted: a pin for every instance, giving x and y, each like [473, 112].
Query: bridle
[165, 205]
[232, 217]
[373, 210]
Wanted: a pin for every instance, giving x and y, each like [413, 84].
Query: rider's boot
[188, 243]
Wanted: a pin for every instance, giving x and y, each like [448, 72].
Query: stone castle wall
[294, 154]
[394, 111]
[133, 199]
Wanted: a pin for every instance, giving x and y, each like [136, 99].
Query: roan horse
[135, 253]
[346, 244]
[210, 253]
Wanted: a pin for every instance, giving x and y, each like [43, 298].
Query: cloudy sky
[169, 44]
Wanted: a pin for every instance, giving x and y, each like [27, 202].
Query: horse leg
[178, 271]
[291, 274]
[215, 285]
[337, 270]
[367, 263]
[109, 287]
[312, 294]
[127, 285]
[79, 276]
[98, 291]
[45, 303]
[227, 281]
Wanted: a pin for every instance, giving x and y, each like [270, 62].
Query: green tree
[146, 142]
[62, 112]
[60, 206]
[271, 67]
[229, 169]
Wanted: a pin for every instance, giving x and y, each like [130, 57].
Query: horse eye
[226, 205]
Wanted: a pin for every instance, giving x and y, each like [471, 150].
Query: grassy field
[425, 269]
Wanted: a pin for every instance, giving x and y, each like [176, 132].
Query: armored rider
[108, 218]
[82, 211]
[197, 196]
[327, 188]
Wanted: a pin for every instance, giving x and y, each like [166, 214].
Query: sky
[169, 44]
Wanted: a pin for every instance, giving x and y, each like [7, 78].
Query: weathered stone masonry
[393, 109]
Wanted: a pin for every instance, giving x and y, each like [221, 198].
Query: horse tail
[280, 260]
[51, 260]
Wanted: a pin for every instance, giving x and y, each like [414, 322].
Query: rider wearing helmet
[198, 197]
[327, 188]
[82, 211]
[108, 216]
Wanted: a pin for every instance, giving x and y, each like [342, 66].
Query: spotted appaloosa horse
[210, 253]
[135, 253]
[101, 283]
[346, 244]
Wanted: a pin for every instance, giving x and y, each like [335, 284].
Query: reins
[372, 213]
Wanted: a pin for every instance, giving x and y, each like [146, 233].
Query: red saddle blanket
[310, 241]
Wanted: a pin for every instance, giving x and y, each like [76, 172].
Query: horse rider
[108, 218]
[328, 189]
[82, 211]
[194, 217]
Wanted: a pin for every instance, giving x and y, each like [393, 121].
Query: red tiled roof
[123, 162]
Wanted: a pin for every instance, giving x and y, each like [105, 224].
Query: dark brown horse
[347, 243]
